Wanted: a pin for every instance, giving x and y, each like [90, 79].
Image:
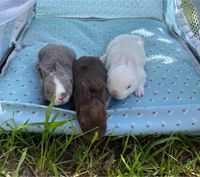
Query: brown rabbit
[90, 95]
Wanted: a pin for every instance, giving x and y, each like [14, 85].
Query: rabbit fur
[125, 59]
[91, 95]
[55, 70]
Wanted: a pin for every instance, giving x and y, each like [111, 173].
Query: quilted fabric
[172, 91]
[101, 8]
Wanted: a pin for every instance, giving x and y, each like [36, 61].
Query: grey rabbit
[55, 70]
[91, 95]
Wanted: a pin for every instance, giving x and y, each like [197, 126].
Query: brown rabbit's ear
[97, 110]
[96, 103]
[43, 72]
[83, 84]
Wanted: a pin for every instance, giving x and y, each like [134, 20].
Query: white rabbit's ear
[103, 58]
[141, 43]
[130, 62]
[139, 40]
[43, 72]
[113, 67]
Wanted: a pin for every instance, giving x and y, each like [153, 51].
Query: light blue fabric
[101, 8]
[172, 92]
[170, 16]
[5, 38]
[14, 16]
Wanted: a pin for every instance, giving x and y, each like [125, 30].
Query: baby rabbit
[91, 95]
[55, 70]
[125, 59]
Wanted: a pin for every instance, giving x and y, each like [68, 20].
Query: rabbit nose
[60, 99]
[63, 95]
[114, 93]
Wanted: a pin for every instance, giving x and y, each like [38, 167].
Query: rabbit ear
[127, 60]
[103, 58]
[59, 67]
[141, 43]
[84, 85]
[130, 62]
[43, 72]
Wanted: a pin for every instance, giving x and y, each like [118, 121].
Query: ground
[48, 154]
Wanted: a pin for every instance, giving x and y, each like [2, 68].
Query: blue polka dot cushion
[101, 8]
[171, 102]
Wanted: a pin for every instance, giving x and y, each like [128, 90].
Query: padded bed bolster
[172, 91]
[136, 121]
[106, 9]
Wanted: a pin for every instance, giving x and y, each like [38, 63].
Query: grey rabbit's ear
[59, 67]
[43, 72]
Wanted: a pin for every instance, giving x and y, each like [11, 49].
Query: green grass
[48, 154]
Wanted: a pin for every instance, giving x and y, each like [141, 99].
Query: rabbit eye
[128, 87]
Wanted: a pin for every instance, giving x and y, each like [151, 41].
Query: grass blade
[23, 156]
[55, 170]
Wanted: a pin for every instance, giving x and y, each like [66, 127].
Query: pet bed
[171, 102]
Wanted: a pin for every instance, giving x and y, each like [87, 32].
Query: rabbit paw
[139, 91]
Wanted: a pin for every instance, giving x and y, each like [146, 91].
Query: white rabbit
[125, 59]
